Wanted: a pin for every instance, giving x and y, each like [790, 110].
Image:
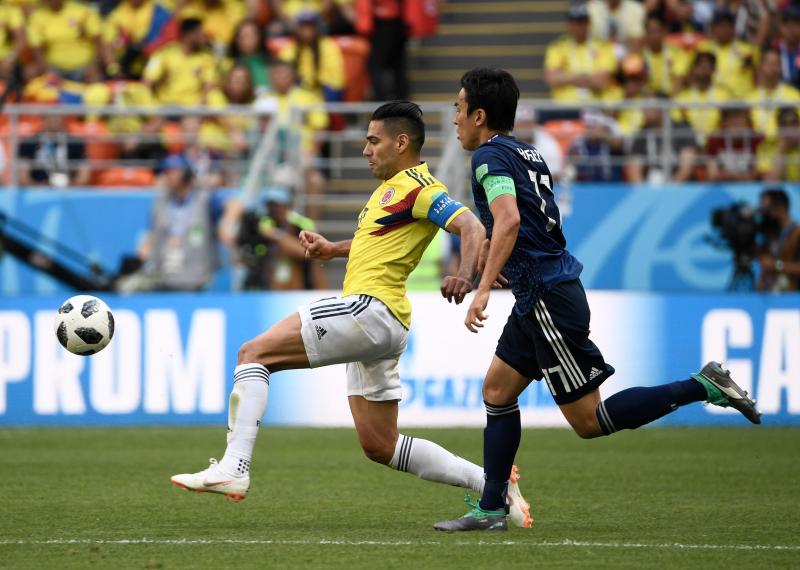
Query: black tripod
[742, 278]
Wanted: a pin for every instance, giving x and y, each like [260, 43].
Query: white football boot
[214, 480]
[519, 511]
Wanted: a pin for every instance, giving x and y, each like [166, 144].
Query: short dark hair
[776, 197]
[189, 25]
[653, 16]
[770, 49]
[701, 55]
[403, 117]
[788, 115]
[494, 91]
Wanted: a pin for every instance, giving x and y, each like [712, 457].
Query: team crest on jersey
[387, 196]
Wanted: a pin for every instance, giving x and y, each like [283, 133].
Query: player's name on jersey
[530, 154]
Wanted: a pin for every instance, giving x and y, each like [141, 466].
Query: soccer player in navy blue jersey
[547, 333]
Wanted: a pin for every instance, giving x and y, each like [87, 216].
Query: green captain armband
[497, 186]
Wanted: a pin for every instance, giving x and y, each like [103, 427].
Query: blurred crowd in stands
[643, 91]
[739, 58]
[266, 56]
[270, 55]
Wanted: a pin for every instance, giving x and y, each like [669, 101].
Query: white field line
[567, 543]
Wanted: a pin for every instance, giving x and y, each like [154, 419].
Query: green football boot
[723, 391]
[476, 519]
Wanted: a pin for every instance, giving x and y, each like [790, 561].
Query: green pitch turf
[656, 498]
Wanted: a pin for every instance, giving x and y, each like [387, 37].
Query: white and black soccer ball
[84, 325]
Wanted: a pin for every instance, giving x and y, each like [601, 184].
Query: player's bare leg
[279, 348]
[376, 427]
[501, 388]
[581, 415]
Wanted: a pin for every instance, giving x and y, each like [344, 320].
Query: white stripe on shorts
[572, 371]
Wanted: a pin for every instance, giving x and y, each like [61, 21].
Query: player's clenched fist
[316, 246]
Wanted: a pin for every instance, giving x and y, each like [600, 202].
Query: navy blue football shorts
[552, 342]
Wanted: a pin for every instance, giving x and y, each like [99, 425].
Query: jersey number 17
[537, 178]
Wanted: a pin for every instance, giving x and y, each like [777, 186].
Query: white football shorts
[361, 331]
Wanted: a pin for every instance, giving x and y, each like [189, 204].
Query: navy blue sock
[500, 442]
[635, 407]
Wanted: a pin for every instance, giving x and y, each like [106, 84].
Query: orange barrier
[125, 176]
[565, 131]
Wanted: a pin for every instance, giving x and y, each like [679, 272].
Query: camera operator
[267, 245]
[780, 260]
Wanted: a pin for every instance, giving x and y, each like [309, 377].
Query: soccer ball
[84, 325]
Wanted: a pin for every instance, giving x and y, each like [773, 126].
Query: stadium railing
[339, 160]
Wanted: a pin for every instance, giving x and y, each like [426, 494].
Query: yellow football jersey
[66, 36]
[398, 222]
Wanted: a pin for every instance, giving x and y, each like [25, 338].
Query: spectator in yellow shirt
[770, 94]
[129, 32]
[735, 58]
[786, 167]
[183, 72]
[65, 36]
[632, 77]
[704, 120]
[317, 58]
[230, 132]
[667, 64]
[220, 18]
[578, 68]
[12, 38]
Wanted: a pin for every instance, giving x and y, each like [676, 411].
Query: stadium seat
[355, 51]
[125, 177]
[685, 40]
[564, 131]
[95, 137]
[172, 135]
[275, 45]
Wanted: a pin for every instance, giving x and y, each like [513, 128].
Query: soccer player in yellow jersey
[367, 327]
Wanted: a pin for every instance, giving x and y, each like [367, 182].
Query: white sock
[432, 462]
[245, 409]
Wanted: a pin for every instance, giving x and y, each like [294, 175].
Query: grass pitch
[655, 498]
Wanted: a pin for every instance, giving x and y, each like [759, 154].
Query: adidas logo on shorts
[320, 331]
[594, 373]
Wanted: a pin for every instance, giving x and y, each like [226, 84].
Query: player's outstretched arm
[472, 233]
[317, 247]
[504, 236]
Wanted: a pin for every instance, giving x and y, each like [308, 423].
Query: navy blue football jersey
[540, 259]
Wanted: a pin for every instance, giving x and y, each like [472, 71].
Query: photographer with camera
[780, 257]
[266, 244]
